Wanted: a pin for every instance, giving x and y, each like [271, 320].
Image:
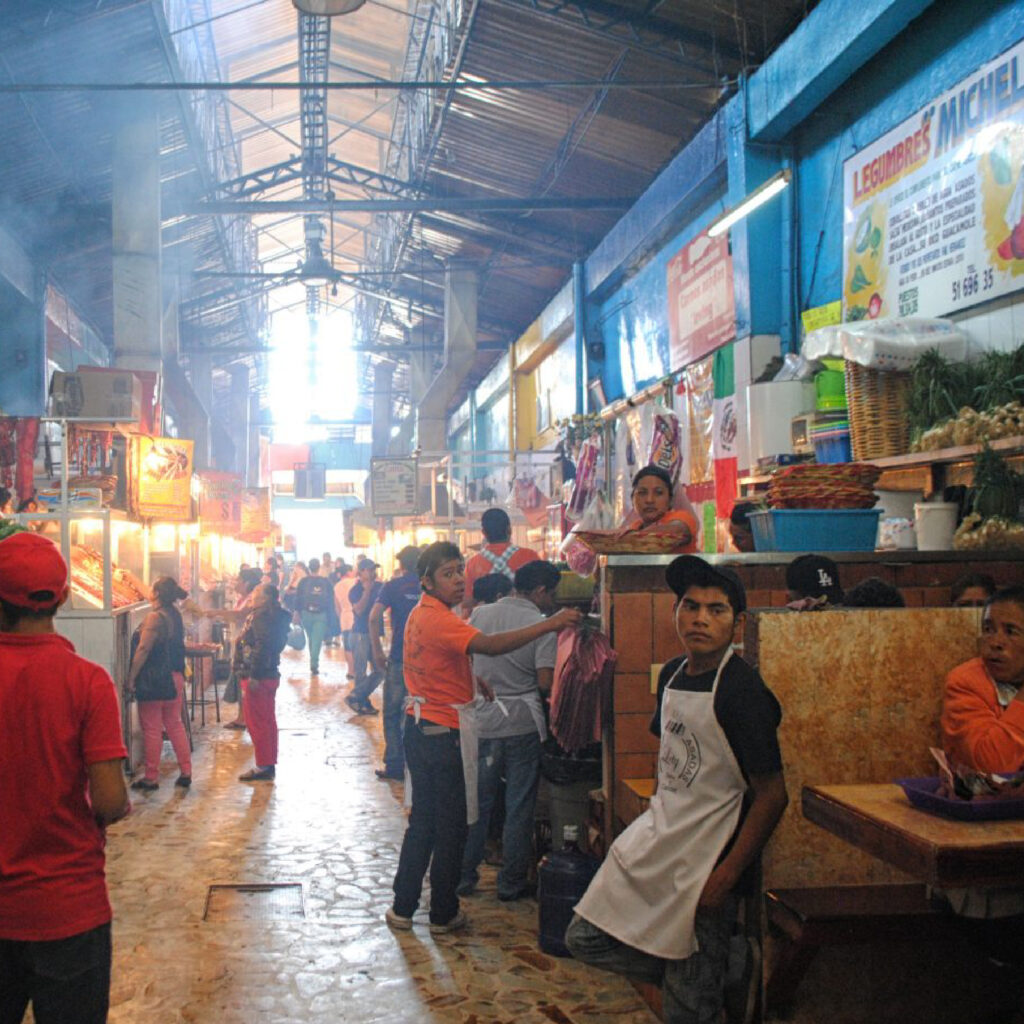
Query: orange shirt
[436, 664]
[480, 565]
[976, 730]
[673, 515]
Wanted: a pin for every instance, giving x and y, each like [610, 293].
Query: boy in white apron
[662, 906]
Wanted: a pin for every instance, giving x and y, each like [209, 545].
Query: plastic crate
[815, 529]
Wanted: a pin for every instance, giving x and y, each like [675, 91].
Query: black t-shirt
[749, 715]
[313, 594]
[745, 708]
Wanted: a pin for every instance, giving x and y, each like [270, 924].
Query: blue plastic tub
[836, 448]
[815, 529]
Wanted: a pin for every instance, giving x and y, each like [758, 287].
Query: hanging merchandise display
[584, 667]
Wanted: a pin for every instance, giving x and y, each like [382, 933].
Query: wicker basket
[877, 403]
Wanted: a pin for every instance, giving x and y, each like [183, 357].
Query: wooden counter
[943, 852]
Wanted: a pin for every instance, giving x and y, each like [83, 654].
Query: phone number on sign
[972, 284]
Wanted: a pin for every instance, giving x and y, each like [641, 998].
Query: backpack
[317, 594]
[154, 681]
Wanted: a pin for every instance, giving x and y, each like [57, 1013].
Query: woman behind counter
[157, 679]
[652, 508]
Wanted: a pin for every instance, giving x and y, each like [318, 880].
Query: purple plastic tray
[922, 794]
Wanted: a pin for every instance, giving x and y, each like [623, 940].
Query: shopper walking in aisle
[362, 598]
[257, 665]
[157, 679]
[498, 553]
[311, 600]
[398, 597]
[346, 581]
[511, 727]
[333, 619]
[440, 735]
[62, 784]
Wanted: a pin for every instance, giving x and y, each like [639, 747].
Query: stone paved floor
[330, 825]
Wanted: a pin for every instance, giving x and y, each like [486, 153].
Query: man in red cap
[61, 783]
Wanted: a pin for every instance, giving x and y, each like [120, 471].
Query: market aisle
[330, 825]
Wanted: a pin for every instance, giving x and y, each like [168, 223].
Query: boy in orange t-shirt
[439, 680]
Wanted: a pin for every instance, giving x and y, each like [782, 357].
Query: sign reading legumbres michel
[393, 487]
[933, 217]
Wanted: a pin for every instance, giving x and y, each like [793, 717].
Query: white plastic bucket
[935, 524]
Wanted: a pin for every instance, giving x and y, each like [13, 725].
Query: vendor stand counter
[945, 853]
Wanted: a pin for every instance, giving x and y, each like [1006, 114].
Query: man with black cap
[813, 583]
[663, 904]
[62, 782]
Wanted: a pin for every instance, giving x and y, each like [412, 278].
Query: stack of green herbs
[963, 403]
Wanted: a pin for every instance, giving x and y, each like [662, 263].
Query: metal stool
[194, 657]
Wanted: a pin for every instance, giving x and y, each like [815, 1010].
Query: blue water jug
[562, 879]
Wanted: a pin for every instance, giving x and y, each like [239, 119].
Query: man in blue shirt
[362, 598]
[399, 597]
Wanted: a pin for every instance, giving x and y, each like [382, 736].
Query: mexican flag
[723, 445]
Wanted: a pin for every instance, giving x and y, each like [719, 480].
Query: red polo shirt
[58, 714]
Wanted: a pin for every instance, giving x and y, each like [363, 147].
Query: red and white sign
[701, 306]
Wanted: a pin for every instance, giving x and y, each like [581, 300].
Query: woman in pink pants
[156, 677]
[257, 656]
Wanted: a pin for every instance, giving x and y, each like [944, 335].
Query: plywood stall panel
[861, 693]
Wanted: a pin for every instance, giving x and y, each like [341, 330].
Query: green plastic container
[830, 386]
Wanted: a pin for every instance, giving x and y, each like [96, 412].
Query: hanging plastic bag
[597, 516]
[584, 666]
[585, 484]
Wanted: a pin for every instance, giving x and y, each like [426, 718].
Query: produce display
[8, 527]
[993, 534]
[845, 485]
[994, 504]
[87, 580]
[953, 404]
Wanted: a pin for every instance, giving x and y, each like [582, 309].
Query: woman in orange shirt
[440, 735]
[652, 508]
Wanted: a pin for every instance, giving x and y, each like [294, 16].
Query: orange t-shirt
[436, 664]
[673, 515]
[480, 565]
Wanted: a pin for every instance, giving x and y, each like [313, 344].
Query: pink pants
[261, 719]
[158, 717]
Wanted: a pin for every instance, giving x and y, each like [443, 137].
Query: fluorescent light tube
[772, 187]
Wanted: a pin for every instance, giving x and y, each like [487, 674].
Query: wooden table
[943, 852]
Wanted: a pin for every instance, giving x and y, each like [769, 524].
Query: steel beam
[455, 204]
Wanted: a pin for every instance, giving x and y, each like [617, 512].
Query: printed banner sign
[393, 487]
[161, 478]
[933, 217]
[220, 501]
[256, 524]
[701, 304]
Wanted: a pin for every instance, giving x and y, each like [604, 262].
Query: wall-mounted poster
[393, 487]
[161, 477]
[933, 217]
[220, 501]
[256, 523]
[701, 302]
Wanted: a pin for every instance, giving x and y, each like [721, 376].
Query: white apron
[533, 703]
[645, 893]
[468, 744]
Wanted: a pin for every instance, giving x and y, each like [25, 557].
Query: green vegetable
[9, 527]
[860, 281]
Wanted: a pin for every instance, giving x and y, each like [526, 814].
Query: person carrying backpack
[312, 600]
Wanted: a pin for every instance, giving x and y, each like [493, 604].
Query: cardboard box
[96, 394]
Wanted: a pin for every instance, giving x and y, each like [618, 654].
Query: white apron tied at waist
[531, 700]
[646, 892]
[468, 745]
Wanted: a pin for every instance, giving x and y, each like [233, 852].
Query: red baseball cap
[33, 573]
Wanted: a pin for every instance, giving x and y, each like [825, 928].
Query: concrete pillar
[461, 285]
[383, 375]
[138, 309]
[201, 365]
[252, 471]
[238, 421]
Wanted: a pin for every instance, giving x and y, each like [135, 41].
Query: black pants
[437, 830]
[67, 981]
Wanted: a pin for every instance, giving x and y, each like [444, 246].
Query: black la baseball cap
[690, 571]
